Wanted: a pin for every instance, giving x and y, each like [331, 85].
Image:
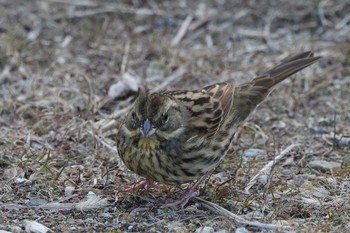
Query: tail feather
[285, 69]
[250, 94]
[298, 56]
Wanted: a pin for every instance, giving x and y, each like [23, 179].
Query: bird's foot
[145, 184]
[191, 192]
[183, 200]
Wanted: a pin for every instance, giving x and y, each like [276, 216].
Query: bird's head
[156, 116]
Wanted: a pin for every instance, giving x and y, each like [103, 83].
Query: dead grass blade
[237, 219]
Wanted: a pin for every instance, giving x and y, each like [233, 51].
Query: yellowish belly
[148, 144]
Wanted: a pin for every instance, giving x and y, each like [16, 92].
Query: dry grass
[59, 58]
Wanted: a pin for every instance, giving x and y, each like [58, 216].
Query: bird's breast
[148, 144]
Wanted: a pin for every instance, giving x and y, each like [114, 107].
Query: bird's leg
[191, 192]
[145, 184]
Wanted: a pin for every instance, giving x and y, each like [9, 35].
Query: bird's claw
[182, 201]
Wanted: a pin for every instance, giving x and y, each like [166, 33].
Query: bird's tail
[248, 95]
[286, 68]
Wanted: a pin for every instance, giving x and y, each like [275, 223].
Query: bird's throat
[148, 143]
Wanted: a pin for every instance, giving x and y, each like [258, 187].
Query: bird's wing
[207, 107]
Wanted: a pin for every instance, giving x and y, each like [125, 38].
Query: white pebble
[69, 190]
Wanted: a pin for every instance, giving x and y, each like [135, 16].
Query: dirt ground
[69, 70]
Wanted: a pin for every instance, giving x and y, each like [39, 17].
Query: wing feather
[207, 107]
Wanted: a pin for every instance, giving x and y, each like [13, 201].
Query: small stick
[173, 78]
[237, 219]
[103, 142]
[105, 124]
[182, 31]
[125, 60]
[110, 8]
[268, 167]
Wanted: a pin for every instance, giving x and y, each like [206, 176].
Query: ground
[69, 70]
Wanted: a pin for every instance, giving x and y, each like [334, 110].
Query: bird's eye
[165, 117]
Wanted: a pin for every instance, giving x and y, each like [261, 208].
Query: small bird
[176, 137]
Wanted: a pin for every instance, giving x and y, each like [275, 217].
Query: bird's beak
[147, 128]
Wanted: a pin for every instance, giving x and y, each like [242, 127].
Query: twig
[182, 31]
[250, 33]
[199, 23]
[89, 93]
[267, 168]
[105, 124]
[267, 30]
[110, 8]
[76, 3]
[173, 78]
[237, 219]
[321, 15]
[343, 23]
[125, 57]
[103, 142]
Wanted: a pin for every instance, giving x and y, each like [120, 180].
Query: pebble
[106, 215]
[241, 230]
[21, 180]
[321, 192]
[255, 214]
[90, 195]
[263, 179]
[36, 201]
[69, 190]
[323, 165]
[253, 153]
[34, 226]
[344, 142]
[221, 231]
[205, 230]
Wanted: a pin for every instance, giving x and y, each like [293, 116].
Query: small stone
[69, 190]
[179, 229]
[346, 185]
[279, 125]
[16, 229]
[347, 226]
[61, 60]
[21, 180]
[90, 195]
[36, 201]
[176, 226]
[205, 230]
[271, 197]
[321, 192]
[263, 179]
[319, 130]
[34, 226]
[344, 142]
[255, 214]
[241, 230]
[323, 165]
[253, 153]
[221, 231]
[106, 215]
